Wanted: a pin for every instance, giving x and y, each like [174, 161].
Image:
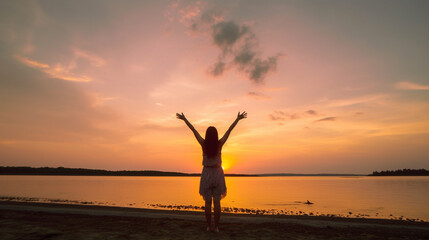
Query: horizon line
[192, 173]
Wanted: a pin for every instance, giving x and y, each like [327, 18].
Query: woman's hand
[241, 115]
[180, 116]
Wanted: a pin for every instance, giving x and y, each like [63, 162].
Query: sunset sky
[329, 86]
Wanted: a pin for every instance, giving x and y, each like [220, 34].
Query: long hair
[211, 142]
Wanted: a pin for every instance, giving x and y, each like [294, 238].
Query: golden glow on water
[368, 196]
[375, 197]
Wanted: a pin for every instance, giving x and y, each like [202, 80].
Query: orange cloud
[411, 86]
[31, 63]
[94, 60]
[57, 71]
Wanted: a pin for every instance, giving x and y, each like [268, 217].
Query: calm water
[378, 197]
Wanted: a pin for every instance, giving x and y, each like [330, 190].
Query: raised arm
[197, 135]
[226, 135]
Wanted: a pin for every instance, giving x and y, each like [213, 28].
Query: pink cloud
[93, 59]
[411, 86]
[353, 101]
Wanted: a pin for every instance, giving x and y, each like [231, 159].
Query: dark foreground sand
[59, 221]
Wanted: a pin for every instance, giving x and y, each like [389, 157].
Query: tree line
[402, 172]
[83, 172]
[62, 171]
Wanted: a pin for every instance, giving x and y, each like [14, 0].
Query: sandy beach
[19, 220]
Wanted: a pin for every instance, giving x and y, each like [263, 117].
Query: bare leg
[216, 214]
[208, 211]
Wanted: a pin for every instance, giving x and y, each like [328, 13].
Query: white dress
[212, 182]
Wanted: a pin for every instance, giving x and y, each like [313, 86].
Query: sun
[226, 164]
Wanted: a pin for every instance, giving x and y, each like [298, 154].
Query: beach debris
[308, 202]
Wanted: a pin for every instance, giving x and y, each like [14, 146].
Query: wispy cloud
[99, 100]
[352, 101]
[183, 14]
[45, 110]
[327, 119]
[67, 71]
[32, 63]
[411, 86]
[92, 58]
[258, 95]
[57, 71]
[279, 115]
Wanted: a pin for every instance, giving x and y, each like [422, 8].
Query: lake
[374, 197]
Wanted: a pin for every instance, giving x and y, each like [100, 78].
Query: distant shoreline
[62, 171]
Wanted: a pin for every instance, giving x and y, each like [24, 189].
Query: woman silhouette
[212, 182]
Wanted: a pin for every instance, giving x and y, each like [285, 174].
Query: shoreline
[234, 211]
[102, 210]
[96, 220]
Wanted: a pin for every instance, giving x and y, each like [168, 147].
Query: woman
[212, 182]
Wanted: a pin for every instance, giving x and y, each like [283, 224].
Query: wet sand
[20, 220]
